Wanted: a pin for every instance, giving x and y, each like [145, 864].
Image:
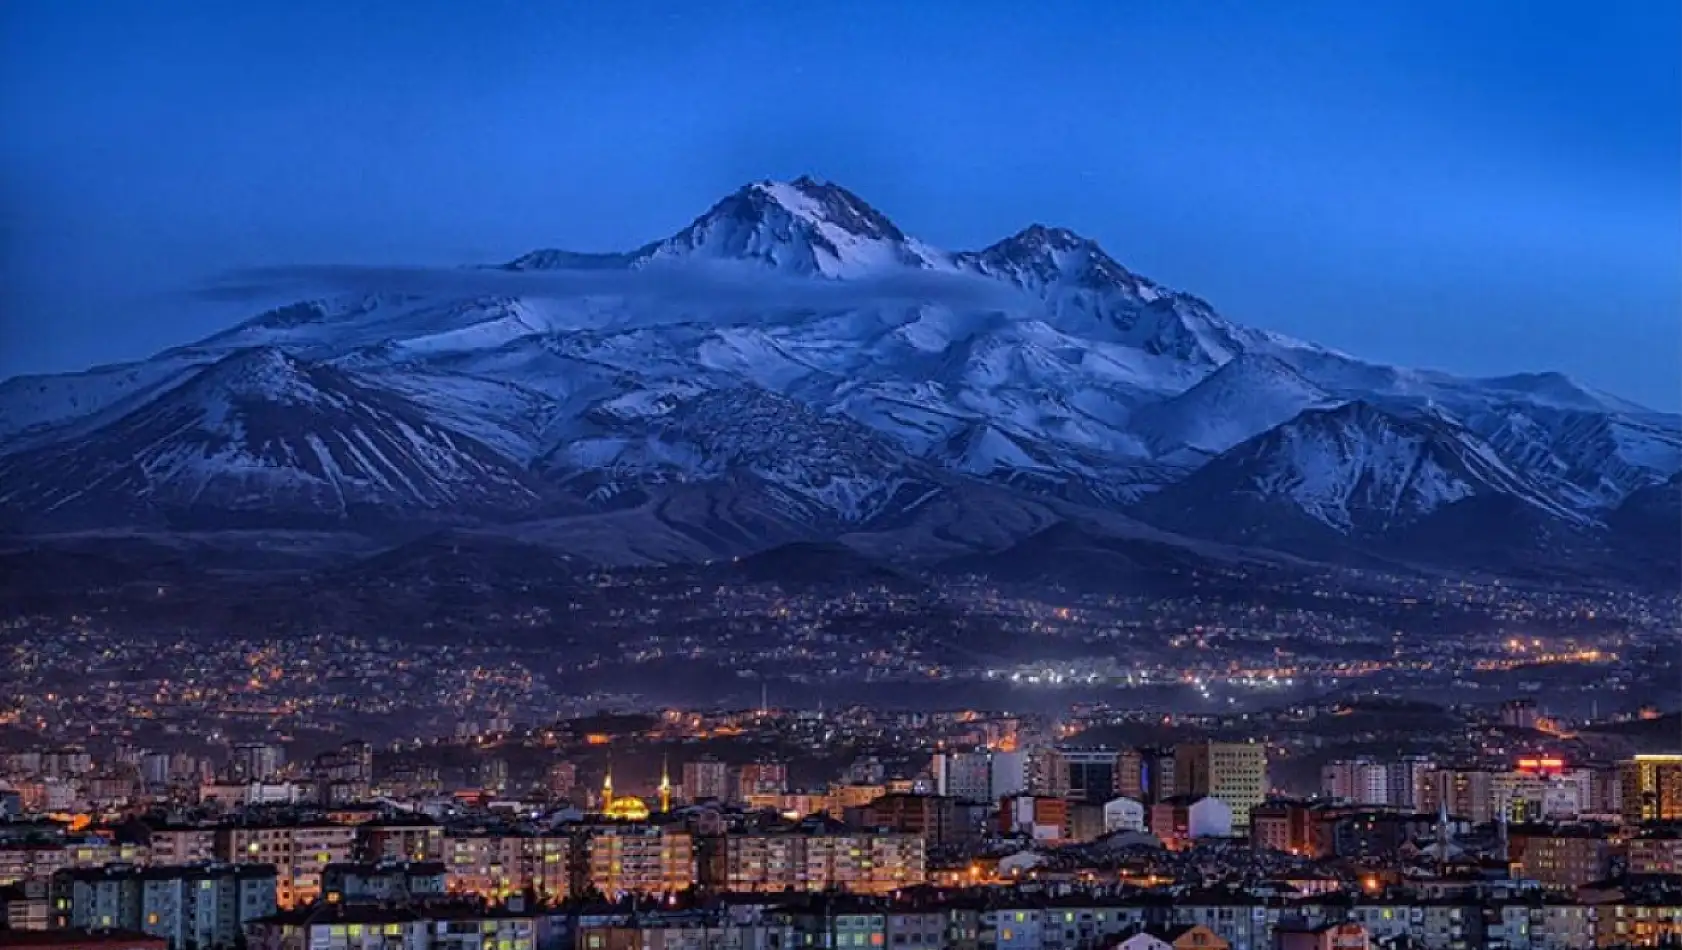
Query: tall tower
[665, 786]
[607, 788]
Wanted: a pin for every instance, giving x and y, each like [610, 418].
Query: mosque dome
[629, 808]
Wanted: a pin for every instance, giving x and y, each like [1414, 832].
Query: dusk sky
[1479, 187]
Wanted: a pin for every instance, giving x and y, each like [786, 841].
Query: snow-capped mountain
[260, 435]
[842, 372]
[1354, 470]
[1249, 395]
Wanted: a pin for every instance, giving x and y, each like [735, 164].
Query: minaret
[607, 788]
[665, 785]
[1442, 831]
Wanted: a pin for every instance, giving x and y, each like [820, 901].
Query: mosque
[630, 807]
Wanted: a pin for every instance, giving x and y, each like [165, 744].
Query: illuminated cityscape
[1078, 475]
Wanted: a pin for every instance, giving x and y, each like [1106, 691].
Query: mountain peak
[259, 370]
[805, 226]
[1250, 394]
[1040, 255]
[1038, 235]
[825, 202]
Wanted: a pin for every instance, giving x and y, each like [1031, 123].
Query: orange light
[596, 738]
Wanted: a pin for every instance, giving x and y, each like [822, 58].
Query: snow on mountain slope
[1248, 396]
[260, 434]
[1351, 378]
[984, 450]
[1556, 390]
[828, 464]
[507, 417]
[1354, 469]
[33, 406]
[1593, 458]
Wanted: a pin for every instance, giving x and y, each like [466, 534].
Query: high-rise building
[362, 927]
[1090, 774]
[385, 882]
[1361, 781]
[1406, 780]
[1559, 858]
[154, 769]
[762, 778]
[641, 859]
[257, 761]
[820, 860]
[299, 852]
[412, 837]
[937, 819]
[494, 866]
[1008, 774]
[493, 775]
[1528, 794]
[203, 906]
[706, 779]
[1157, 774]
[1519, 713]
[1655, 851]
[1651, 787]
[967, 776]
[181, 844]
[1234, 772]
[1130, 774]
[1464, 793]
[1606, 793]
[1087, 775]
[1047, 775]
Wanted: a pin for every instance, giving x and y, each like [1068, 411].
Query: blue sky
[1481, 187]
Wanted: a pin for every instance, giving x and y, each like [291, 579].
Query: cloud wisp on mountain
[692, 286]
